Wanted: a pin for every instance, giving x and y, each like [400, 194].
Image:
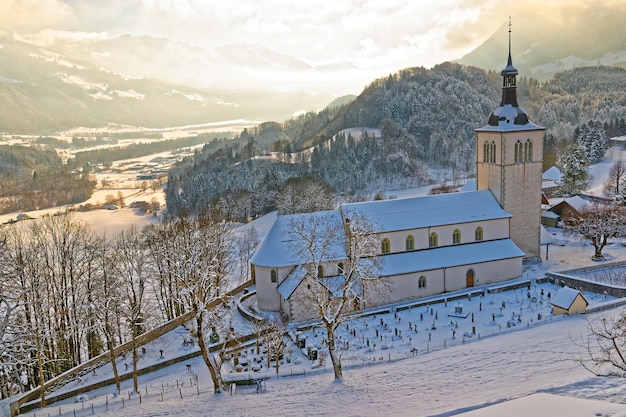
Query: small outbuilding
[549, 219]
[568, 301]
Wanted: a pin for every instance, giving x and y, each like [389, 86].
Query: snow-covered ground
[522, 363]
[528, 368]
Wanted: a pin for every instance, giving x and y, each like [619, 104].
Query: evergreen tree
[575, 170]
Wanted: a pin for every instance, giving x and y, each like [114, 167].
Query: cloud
[30, 15]
[368, 33]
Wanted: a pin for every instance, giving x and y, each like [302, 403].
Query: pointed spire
[509, 83]
[510, 69]
[509, 113]
[510, 61]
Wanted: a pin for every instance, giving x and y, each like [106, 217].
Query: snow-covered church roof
[279, 248]
[450, 256]
[431, 210]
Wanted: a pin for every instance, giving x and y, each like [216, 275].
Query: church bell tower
[509, 163]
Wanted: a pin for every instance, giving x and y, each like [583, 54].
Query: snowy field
[532, 363]
[508, 361]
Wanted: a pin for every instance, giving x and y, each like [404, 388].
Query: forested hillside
[32, 178]
[426, 119]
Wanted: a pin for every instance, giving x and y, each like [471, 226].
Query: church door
[469, 278]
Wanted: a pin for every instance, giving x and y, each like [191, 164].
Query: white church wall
[406, 287]
[267, 295]
[484, 273]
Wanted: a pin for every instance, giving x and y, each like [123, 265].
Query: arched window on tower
[493, 153]
[410, 242]
[273, 275]
[518, 152]
[385, 246]
[528, 151]
[478, 234]
[433, 240]
[456, 236]
[486, 151]
[525, 155]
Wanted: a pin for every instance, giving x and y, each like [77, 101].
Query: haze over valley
[79, 66]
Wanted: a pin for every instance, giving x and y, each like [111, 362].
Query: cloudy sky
[369, 33]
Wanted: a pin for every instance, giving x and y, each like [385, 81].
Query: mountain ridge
[543, 44]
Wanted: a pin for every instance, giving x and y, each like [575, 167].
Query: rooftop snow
[576, 202]
[428, 211]
[289, 284]
[552, 173]
[506, 118]
[450, 256]
[277, 250]
[565, 297]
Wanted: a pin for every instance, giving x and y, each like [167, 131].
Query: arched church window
[421, 282]
[493, 153]
[433, 240]
[410, 242]
[273, 275]
[385, 246]
[478, 234]
[486, 151]
[456, 236]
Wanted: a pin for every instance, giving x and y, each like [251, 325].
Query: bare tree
[599, 224]
[322, 240]
[16, 349]
[605, 346]
[36, 315]
[198, 263]
[614, 184]
[60, 249]
[304, 195]
[246, 242]
[160, 239]
[273, 332]
[106, 300]
[130, 264]
[120, 199]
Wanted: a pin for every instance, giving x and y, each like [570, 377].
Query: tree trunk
[334, 358]
[598, 246]
[116, 375]
[216, 375]
[42, 379]
[135, 376]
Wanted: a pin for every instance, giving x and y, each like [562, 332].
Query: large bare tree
[16, 347]
[598, 224]
[323, 241]
[198, 263]
[105, 298]
[130, 264]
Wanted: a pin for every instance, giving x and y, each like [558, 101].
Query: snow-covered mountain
[61, 83]
[546, 43]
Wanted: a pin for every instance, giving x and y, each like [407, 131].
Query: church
[438, 243]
